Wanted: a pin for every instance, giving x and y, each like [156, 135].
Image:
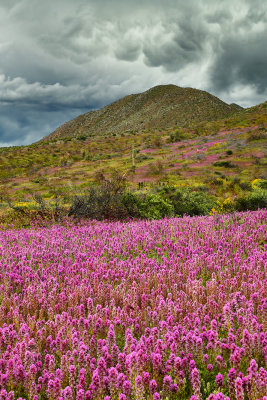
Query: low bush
[259, 183]
[156, 168]
[132, 203]
[106, 199]
[226, 164]
[263, 184]
[189, 201]
[142, 157]
[156, 142]
[82, 138]
[100, 202]
[245, 185]
[177, 136]
[192, 203]
[155, 206]
[97, 203]
[26, 218]
[252, 201]
[257, 135]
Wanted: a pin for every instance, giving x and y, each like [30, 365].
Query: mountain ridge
[158, 108]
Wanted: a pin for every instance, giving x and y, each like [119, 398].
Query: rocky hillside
[158, 108]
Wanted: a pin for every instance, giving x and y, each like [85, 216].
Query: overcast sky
[61, 58]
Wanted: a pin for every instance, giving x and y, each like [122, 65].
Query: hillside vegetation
[225, 157]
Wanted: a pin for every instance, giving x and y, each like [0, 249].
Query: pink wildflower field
[170, 309]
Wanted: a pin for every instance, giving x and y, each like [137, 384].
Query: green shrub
[142, 157]
[262, 184]
[82, 138]
[190, 202]
[256, 135]
[156, 142]
[226, 164]
[155, 206]
[132, 203]
[157, 168]
[177, 136]
[245, 185]
[252, 201]
[217, 182]
[75, 157]
[87, 156]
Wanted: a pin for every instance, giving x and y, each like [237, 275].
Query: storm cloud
[61, 58]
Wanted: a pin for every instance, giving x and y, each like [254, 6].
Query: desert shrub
[75, 157]
[223, 206]
[233, 182]
[17, 219]
[64, 162]
[252, 200]
[87, 156]
[193, 203]
[155, 206]
[103, 200]
[156, 168]
[189, 201]
[245, 185]
[37, 212]
[142, 157]
[202, 188]
[82, 138]
[257, 135]
[132, 203]
[226, 164]
[259, 183]
[156, 142]
[229, 152]
[263, 184]
[99, 202]
[217, 181]
[177, 136]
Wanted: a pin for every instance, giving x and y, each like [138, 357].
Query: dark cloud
[241, 58]
[63, 57]
[241, 61]
[27, 125]
[176, 45]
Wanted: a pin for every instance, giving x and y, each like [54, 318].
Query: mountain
[159, 108]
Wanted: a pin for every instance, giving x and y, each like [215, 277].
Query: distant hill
[159, 108]
[222, 148]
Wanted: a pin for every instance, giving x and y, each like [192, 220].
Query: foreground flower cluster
[170, 309]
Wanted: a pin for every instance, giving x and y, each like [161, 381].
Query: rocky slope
[158, 108]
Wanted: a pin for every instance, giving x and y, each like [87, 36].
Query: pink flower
[196, 383]
[209, 367]
[239, 389]
[219, 380]
[153, 386]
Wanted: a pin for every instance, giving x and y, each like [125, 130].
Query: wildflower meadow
[169, 309]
